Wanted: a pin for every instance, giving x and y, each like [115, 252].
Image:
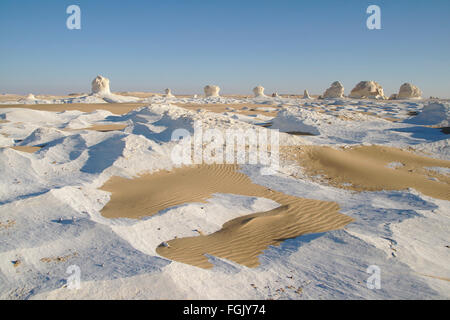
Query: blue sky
[286, 46]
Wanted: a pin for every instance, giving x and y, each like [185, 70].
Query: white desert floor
[51, 202]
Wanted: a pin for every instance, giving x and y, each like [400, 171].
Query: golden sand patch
[241, 239]
[59, 258]
[16, 263]
[116, 108]
[28, 149]
[7, 224]
[251, 109]
[364, 168]
[436, 277]
[102, 128]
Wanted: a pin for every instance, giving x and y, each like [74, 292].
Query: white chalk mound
[100, 85]
[304, 121]
[409, 91]
[259, 91]
[367, 89]
[275, 95]
[211, 91]
[306, 95]
[168, 93]
[432, 114]
[336, 90]
[30, 96]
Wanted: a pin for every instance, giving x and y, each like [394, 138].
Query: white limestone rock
[168, 93]
[212, 91]
[259, 91]
[306, 95]
[100, 86]
[409, 91]
[367, 89]
[336, 90]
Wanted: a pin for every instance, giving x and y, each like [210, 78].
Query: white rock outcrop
[259, 91]
[434, 113]
[168, 93]
[336, 90]
[275, 95]
[409, 91]
[100, 85]
[306, 95]
[367, 89]
[212, 91]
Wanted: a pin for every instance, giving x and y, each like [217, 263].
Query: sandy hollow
[241, 239]
[28, 149]
[372, 168]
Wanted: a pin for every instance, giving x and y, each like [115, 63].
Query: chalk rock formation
[275, 95]
[30, 96]
[212, 91]
[335, 91]
[100, 85]
[393, 96]
[259, 91]
[168, 93]
[306, 95]
[409, 91]
[367, 89]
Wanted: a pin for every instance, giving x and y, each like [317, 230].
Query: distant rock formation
[367, 89]
[168, 93]
[393, 96]
[409, 91]
[30, 96]
[211, 91]
[259, 91]
[306, 95]
[100, 85]
[336, 90]
[275, 95]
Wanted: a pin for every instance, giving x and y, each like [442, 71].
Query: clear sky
[286, 46]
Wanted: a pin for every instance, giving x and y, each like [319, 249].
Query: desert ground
[90, 181]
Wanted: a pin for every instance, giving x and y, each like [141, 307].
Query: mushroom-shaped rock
[306, 95]
[259, 91]
[168, 93]
[336, 90]
[212, 91]
[367, 89]
[100, 85]
[409, 91]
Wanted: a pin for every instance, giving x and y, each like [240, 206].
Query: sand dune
[367, 168]
[240, 240]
